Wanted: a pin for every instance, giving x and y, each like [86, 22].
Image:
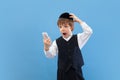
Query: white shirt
[82, 39]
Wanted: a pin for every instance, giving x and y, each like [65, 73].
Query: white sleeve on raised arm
[85, 35]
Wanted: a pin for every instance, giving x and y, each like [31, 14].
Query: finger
[71, 14]
[48, 41]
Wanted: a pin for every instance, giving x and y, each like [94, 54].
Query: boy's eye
[65, 26]
[60, 26]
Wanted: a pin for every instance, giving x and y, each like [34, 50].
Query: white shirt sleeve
[53, 50]
[84, 36]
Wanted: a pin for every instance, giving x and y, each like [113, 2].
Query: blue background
[21, 43]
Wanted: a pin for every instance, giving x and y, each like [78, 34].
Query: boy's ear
[72, 28]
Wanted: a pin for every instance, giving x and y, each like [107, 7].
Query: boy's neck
[68, 38]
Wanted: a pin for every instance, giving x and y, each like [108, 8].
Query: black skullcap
[65, 15]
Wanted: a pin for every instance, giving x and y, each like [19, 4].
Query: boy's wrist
[46, 48]
[80, 21]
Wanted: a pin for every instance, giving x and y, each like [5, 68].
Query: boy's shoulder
[59, 38]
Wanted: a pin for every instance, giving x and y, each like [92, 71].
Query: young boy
[68, 47]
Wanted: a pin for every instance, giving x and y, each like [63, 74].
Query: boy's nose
[62, 28]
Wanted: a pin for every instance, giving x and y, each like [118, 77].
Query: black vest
[69, 54]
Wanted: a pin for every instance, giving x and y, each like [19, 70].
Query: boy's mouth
[64, 34]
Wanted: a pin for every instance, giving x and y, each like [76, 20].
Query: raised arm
[85, 35]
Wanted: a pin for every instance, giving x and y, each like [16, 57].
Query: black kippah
[66, 15]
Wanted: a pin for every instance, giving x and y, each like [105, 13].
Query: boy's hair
[65, 19]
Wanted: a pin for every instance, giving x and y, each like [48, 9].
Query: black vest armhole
[58, 39]
[76, 39]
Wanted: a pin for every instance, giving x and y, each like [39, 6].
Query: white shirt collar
[67, 39]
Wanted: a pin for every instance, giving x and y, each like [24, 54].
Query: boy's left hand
[75, 18]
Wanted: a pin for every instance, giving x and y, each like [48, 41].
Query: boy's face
[65, 30]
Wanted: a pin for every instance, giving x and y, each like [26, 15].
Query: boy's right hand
[46, 41]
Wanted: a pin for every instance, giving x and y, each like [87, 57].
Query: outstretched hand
[46, 41]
